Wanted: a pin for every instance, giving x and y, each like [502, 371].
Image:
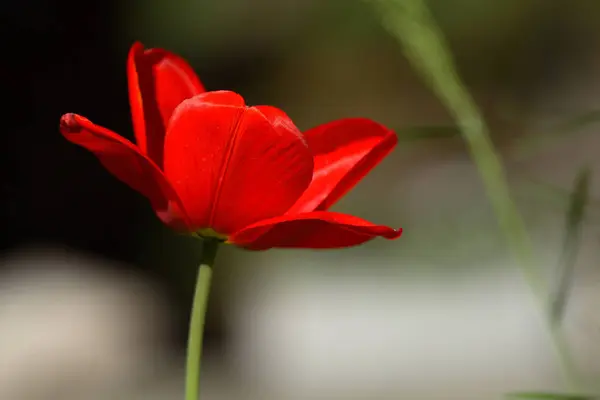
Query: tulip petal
[313, 230]
[230, 166]
[344, 152]
[125, 161]
[279, 119]
[158, 82]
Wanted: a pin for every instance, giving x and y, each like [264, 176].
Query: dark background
[68, 56]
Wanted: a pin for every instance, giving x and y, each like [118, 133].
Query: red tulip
[210, 164]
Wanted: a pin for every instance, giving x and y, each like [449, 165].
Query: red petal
[158, 82]
[229, 165]
[344, 152]
[313, 230]
[124, 160]
[279, 119]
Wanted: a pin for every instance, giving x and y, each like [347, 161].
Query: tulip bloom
[211, 165]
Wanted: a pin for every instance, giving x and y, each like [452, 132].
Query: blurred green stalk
[411, 23]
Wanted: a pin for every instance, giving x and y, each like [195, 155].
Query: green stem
[197, 320]
[412, 24]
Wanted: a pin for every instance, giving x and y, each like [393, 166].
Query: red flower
[210, 164]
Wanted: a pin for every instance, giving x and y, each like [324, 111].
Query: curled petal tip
[69, 123]
[394, 234]
[313, 230]
[137, 44]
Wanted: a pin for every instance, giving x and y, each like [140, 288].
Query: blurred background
[95, 292]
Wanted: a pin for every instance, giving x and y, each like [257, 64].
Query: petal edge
[158, 82]
[314, 230]
[344, 151]
[125, 161]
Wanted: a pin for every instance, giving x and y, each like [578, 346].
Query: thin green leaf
[425, 47]
[566, 267]
[554, 198]
[579, 122]
[547, 396]
[415, 133]
[559, 132]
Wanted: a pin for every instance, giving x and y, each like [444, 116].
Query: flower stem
[412, 24]
[197, 319]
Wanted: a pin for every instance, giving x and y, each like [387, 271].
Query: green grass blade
[568, 257]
